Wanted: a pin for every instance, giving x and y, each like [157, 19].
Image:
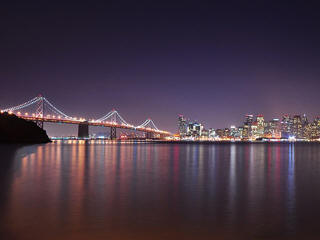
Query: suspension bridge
[40, 110]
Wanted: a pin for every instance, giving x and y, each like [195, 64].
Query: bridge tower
[113, 133]
[83, 130]
[40, 112]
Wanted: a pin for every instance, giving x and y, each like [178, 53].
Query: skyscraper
[247, 126]
[275, 128]
[260, 125]
[249, 120]
[286, 126]
[304, 120]
[182, 125]
[297, 126]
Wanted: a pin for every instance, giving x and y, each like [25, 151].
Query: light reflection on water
[81, 190]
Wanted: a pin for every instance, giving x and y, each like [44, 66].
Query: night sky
[211, 62]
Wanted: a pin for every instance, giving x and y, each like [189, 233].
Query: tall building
[249, 120]
[260, 125]
[286, 126]
[226, 133]
[247, 126]
[212, 133]
[233, 131]
[317, 127]
[245, 132]
[194, 129]
[297, 126]
[220, 133]
[182, 125]
[240, 132]
[304, 120]
[254, 130]
[275, 128]
[205, 133]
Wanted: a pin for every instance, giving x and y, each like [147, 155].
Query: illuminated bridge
[40, 110]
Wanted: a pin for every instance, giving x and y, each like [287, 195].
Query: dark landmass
[17, 130]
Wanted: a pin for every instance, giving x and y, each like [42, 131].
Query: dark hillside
[16, 130]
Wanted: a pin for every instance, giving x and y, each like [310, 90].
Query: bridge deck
[90, 123]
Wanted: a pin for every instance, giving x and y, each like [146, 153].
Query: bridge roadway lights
[83, 130]
[113, 133]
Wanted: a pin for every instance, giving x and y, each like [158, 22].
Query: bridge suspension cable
[40, 104]
[23, 105]
[38, 100]
[56, 110]
[148, 122]
[112, 116]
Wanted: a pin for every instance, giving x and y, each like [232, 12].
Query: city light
[290, 128]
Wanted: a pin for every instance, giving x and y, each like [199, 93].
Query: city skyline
[210, 61]
[159, 119]
[253, 127]
[68, 132]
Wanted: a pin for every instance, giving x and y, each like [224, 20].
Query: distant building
[254, 130]
[297, 127]
[245, 132]
[182, 125]
[260, 126]
[240, 132]
[275, 128]
[249, 120]
[233, 132]
[304, 120]
[226, 133]
[247, 126]
[286, 126]
[220, 133]
[205, 133]
[212, 133]
[194, 129]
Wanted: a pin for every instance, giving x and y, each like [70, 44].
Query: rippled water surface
[98, 190]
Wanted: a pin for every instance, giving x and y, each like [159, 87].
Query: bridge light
[59, 117]
[26, 114]
[48, 115]
[10, 112]
[19, 113]
[33, 115]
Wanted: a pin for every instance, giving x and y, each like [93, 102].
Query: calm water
[77, 190]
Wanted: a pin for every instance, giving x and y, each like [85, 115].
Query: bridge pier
[113, 133]
[149, 135]
[83, 130]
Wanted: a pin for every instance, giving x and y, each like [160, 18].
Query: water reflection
[95, 190]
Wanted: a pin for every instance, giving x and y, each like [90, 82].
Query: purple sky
[214, 63]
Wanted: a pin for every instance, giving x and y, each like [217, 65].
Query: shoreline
[182, 141]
